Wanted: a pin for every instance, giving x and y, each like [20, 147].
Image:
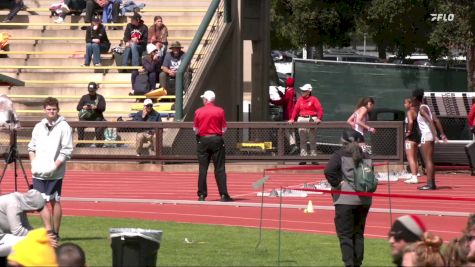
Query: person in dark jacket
[350, 210]
[92, 5]
[149, 67]
[96, 105]
[96, 42]
[14, 5]
[135, 38]
[145, 140]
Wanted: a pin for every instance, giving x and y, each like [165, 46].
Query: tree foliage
[305, 23]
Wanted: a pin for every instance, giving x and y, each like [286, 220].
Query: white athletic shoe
[404, 175]
[413, 180]
[59, 20]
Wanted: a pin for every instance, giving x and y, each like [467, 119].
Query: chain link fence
[176, 141]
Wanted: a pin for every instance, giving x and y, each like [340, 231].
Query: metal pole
[188, 56]
[364, 43]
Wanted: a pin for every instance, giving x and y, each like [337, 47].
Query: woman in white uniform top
[427, 123]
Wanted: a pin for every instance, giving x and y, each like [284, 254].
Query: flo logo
[442, 17]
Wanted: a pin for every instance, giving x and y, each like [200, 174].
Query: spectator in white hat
[307, 109]
[149, 68]
[145, 140]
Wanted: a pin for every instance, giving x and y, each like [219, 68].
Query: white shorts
[426, 137]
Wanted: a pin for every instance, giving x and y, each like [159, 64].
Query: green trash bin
[134, 246]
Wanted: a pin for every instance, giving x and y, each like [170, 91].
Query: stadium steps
[182, 25]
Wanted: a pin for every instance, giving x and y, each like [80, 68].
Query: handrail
[189, 55]
[387, 143]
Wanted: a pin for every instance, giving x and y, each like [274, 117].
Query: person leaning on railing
[308, 109]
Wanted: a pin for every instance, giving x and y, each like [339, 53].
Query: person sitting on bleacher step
[91, 108]
[145, 79]
[171, 63]
[14, 5]
[135, 38]
[108, 7]
[97, 42]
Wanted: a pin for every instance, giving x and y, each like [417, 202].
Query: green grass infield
[185, 244]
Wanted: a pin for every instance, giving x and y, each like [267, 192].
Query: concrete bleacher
[48, 58]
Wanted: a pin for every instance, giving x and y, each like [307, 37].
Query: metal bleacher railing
[212, 24]
[243, 141]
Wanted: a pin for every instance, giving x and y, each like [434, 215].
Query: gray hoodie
[52, 142]
[13, 208]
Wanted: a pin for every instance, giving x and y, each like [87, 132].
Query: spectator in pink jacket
[287, 101]
[307, 109]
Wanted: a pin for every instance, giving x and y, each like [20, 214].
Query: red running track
[171, 196]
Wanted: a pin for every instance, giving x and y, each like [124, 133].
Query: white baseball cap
[151, 48]
[306, 87]
[208, 95]
[148, 101]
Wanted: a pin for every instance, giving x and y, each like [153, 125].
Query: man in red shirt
[308, 109]
[209, 126]
[287, 101]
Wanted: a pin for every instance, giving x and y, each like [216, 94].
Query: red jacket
[309, 106]
[471, 116]
[287, 101]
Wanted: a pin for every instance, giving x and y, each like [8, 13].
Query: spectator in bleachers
[350, 211]
[70, 255]
[97, 42]
[91, 108]
[130, 6]
[158, 34]
[171, 63]
[424, 253]
[108, 8]
[14, 5]
[70, 6]
[307, 109]
[405, 230]
[135, 38]
[149, 68]
[145, 140]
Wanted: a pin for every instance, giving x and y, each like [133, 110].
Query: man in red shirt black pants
[209, 126]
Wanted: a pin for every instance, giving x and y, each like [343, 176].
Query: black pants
[91, 5]
[350, 222]
[99, 131]
[211, 148]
